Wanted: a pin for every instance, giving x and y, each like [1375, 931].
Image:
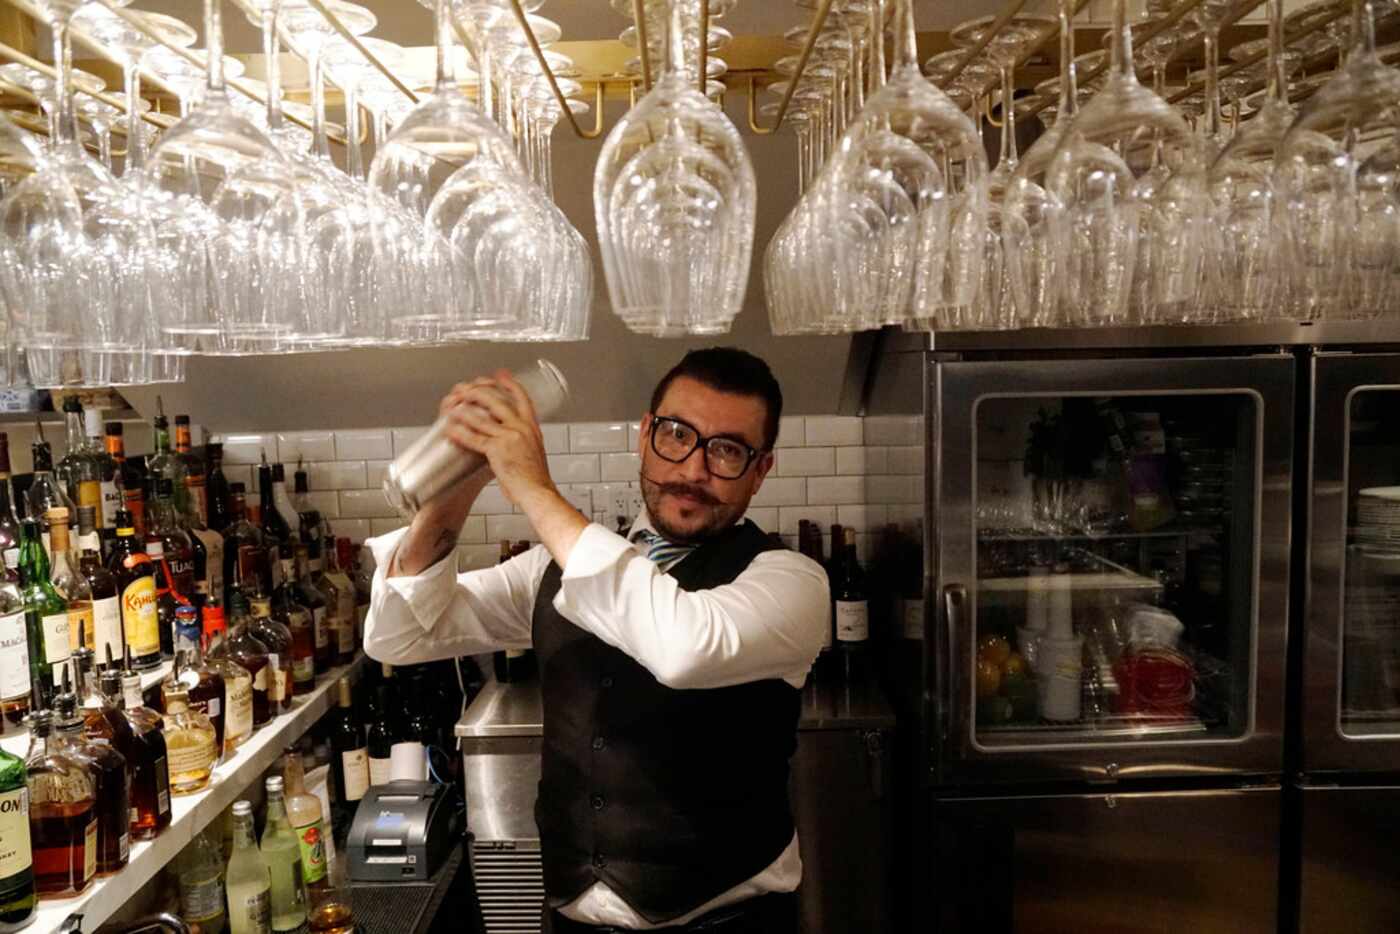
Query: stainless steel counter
[516, 709]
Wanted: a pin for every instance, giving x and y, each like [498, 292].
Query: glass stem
[877, 46]
[354, 155]
[104, 143]
[675, 40]
[488, 81]
[442, 36]
[1009, 155]
[273, 66]
[320, 140]
[1121, 48]
[1212, 114]
[906, 49]
[1363, 31]
[64, 126]
[1069, 79]
[214, 45]
[135, 134]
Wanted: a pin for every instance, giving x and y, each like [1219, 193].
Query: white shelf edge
[17, 742]
[192, 813]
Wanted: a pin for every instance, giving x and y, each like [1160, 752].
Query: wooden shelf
[192, 813]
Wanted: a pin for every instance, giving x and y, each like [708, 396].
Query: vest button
[599, 742]
[607, 681]
[597, 802]
[599, 860]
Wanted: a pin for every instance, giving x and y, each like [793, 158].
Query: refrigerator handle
[954, 613]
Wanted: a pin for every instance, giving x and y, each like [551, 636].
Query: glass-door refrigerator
[1101, 656]
[1349, 766]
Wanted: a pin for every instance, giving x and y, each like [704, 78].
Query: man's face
[686, 502]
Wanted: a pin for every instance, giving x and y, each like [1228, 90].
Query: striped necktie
[658, 549]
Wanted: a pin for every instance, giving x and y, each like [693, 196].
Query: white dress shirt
[769, 622]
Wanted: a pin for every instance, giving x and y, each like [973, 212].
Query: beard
[717, 515]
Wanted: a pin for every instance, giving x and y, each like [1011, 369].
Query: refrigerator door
[1166, 862]
[1112, 565]
[1350, 861]
[1351, 668]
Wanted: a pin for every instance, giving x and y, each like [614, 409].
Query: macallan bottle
[201, 681]
[18, 901]
[238, 681]
[150, 775]
[106, 602]
[70, 584]
[111, 783]
[281, 679]
[14, 653]
[136, 587]
[62, 814]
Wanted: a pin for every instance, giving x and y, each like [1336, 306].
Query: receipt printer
[402, 832]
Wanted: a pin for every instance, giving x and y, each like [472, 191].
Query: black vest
[669, 797]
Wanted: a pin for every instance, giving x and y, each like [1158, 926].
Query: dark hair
[731, 370]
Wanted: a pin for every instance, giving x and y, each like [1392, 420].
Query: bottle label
[201, 899]
[304, 669]
[12, 558]
[378, 771]
[277, 690]
[89, 494]
[355, 766]
[198, 756]
[312, 839]
[238, 718]
[214, 560]
[213, 707]
[139, 617]
[111, 502]
[318, 620]
[80, 620]
[344, 637]
[913, 618]
[131, 694]
[257, 911]
[260, 679]
[198, 495]
[15, 853]
[162, 786]
[90, 849]
[124, 846]
[107, 626]
[14, 659]
[56, 646]
[852, 620]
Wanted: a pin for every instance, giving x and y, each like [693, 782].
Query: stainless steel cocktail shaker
[432, 464]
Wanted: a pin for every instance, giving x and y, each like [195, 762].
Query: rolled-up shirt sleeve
[443, 614]
[770, 622]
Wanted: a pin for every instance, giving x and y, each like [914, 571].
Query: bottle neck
[162, 440]
[243, 837]
[74, 432]
[182, 439]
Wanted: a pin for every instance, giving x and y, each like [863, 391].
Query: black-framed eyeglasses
[674, 440]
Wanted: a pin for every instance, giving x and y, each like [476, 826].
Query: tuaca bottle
[200, 872]
[9, 525]
[136, 589]
[69, 584]
[238, 681]
[111, 783]
[14, 651]
[217, 491]
[62, 814]
[282, 852]
[246, 548]
[249, 881]
[304, 813]
[45, 492]
[45, 614]
[150, 773]
[196, 498]
[189, 741]
[106, 603]
[78, 471]
[201, 681]
[18, 900]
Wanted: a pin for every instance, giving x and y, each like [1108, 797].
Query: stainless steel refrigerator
[1348, 785]
[1089, 649]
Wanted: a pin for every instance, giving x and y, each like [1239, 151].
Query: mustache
[686, 489]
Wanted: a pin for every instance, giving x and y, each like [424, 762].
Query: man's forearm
[436, 528]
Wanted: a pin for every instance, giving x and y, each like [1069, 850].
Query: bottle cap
[274, 784]
[242, 809]
[72, 404]
[181, 420]
[92, 422]
[87, 519]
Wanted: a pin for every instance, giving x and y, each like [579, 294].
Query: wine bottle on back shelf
[106, 601]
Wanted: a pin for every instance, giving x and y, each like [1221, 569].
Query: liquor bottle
[331, 620]
[217, 489]
[150, 772]
[351, 763]
[130, 477]
[78, 471]
[14, 653]
[809, 543]
[238, 681]
[200, 873]
[208, 547]
[343, 637]
[202, 682]
[309, 519]
[285, 507]
[163, 464]
[196, 492]
[304, 813]
[45, 492]
[9, 525]
[136, 588]
[69, 584]
[350, 564]
[102, 722]
[852, 608]
[249, 882]
[282, 852]
[273, 524]
[62, 814]
[108, 479]
[173, 556]
[310, 597]
[281, 679]
[45, 613]
[18, 900]
[380, 736]
[245, 546]
[111, 783]
[101, 584]
[252, 654]
[290, 612]
[189, 743]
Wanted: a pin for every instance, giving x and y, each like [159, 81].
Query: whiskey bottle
[79, 473]
[281, 679]
[246, 547]
[252, 654]
[290, 612]
[106, 604]
[62, 814]
[201, 681]
[130, 477]
[70, 584]
[311, 597]
[111, 783]
[316, 577]
[18, 900]
[45, 613]
[273, 524]
[14, 652]
[238, 682]
[189, 742]
[344, 634]
[136, 588]
[172, 554]
[359, 576]
[196, 497]
[217, 489]
[150, 773]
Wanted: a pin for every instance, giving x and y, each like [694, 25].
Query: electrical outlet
[634, 503]
[622, 504]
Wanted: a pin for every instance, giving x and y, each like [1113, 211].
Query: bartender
[671, 660]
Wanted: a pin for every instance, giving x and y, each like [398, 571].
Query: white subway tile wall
[860, 472]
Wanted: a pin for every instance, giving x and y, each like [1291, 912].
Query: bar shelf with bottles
[236, 634]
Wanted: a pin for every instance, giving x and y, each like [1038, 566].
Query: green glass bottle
[281, 850]
[18, 900]
[45, 613]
